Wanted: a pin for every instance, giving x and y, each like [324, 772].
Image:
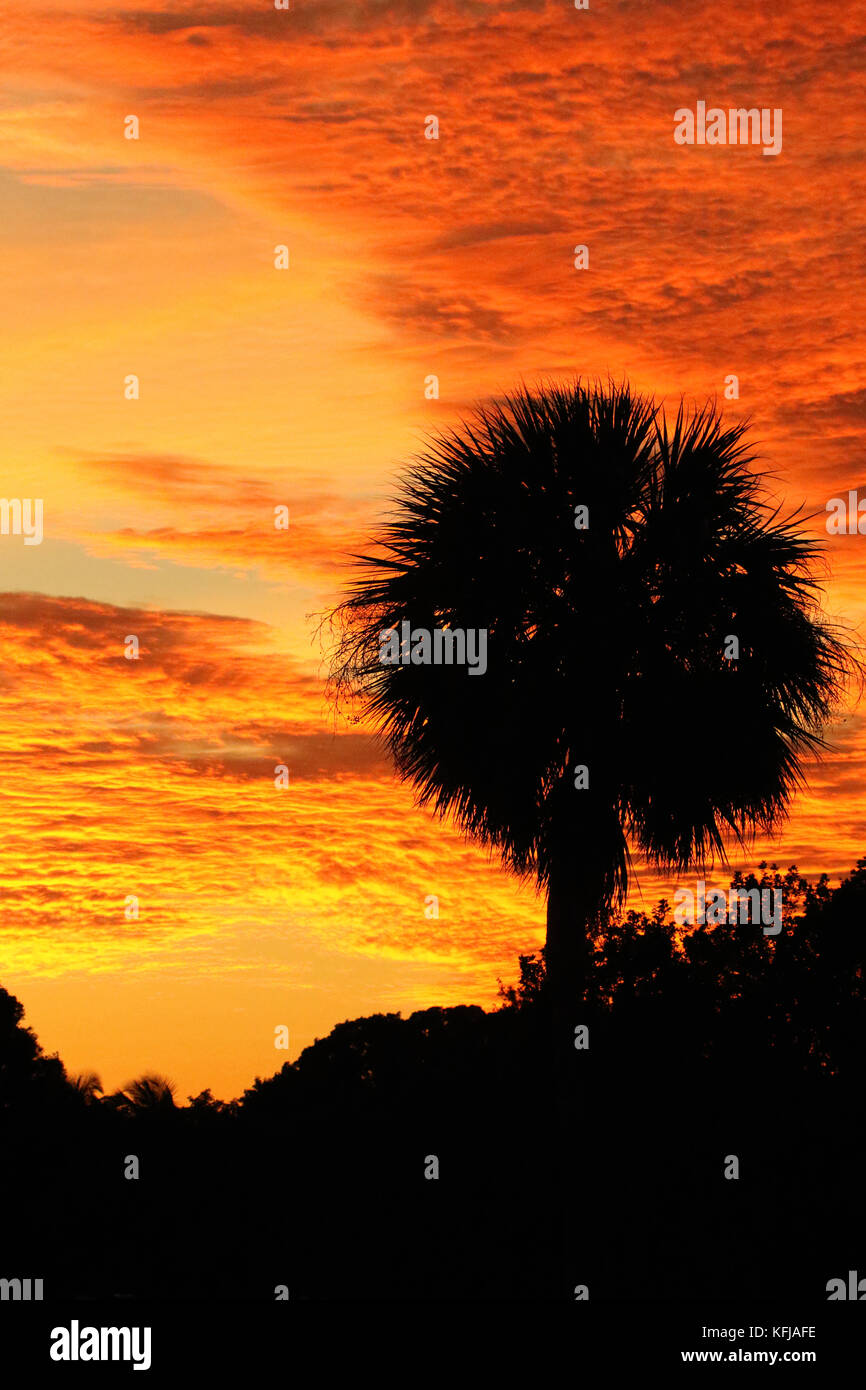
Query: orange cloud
[158, 780]
[325, 527]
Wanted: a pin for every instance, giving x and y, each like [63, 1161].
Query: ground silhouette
[703, 1043]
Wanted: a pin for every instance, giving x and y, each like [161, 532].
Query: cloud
[264, 23]
[225, 517]
[158, 781]
[438, 312]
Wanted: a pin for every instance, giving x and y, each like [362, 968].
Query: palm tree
[148, 1092]
[611, 558]
[87, 1085]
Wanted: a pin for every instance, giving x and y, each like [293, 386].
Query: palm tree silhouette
[615, 712]
[147, 1093]
[87, 1085]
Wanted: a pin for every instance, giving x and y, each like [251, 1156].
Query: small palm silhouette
[148, 1092]
[611, 557]
[88, 1086]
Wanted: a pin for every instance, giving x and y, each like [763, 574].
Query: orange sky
[305, 387]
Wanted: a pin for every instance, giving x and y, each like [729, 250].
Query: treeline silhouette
[602, 1167]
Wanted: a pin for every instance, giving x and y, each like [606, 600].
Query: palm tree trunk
[571, 915]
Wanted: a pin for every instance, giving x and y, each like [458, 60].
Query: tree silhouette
[611, 558]
[87, 1085]
[149, 1092]
[27, 1076]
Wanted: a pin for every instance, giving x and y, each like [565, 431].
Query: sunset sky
[305, 387]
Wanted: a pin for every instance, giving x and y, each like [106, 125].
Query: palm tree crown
[148, 1092]
[87, 1085]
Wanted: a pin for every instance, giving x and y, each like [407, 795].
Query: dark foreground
[559, 1170]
